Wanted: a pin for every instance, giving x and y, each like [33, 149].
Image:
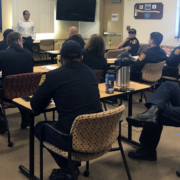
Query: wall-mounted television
[76, 10]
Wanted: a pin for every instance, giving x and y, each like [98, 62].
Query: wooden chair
[45, 45]
[15, 86]
[91, 136]
[150, 74]
[176, 72]
[113, 53]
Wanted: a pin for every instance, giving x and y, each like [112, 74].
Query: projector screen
[76, 10]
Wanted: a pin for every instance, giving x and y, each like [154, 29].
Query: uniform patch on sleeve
[134, 41]
[43, 78]
[142, 56]
[177, 52]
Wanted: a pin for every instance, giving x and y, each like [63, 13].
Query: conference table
[103, 96]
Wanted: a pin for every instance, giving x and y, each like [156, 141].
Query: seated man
[3, 43]
[172, 61]
[74, 36]
[153, 55]
[131, 43]
[16, 60]
[154, 118]
[75, 91]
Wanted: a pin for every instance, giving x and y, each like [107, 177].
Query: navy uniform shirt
[174, 58]
[134, 44]
[74, 89]
[152, 55]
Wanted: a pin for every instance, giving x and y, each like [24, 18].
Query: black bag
[3, 127]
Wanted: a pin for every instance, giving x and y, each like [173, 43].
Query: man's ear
[81, 58]
[61, 59]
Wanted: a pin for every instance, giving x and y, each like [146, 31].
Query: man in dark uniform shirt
[75, 91]
[75, 37]
[152, 121]
[3, 43]
[16, 60]
[131, 43]
[172, 62]
[153, 55]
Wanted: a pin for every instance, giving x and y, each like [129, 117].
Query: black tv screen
[76, 10]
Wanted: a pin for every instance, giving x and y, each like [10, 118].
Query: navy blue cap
[132, 31]
[71, 50]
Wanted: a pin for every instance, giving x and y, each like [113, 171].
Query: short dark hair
[13, 37]
[24, 12]
[156, 37]
[6, 32]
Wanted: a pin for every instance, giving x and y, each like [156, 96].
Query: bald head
[73, 31]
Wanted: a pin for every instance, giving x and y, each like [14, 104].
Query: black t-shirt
[134, 44]
[95, 61]
[77, 39]
[152, 55]
[3, 45]
[75, 92]
[15, 60]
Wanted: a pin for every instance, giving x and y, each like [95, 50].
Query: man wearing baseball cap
[131, 43]
[74, 89]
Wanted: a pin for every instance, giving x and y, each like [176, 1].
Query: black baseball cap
[132, 31]
[71, 50]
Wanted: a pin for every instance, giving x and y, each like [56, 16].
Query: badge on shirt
[134, 41]
[142, 56]
[177, 52]
[43, 78]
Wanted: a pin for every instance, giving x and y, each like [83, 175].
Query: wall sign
[148, 11]
[115, 17]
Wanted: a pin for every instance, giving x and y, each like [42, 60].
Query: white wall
[166, 25]
[86, 29]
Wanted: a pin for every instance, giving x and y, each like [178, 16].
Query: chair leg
[104, 106]
[45, 116]
[40, 58]
[124, 159]
[140, 100]
[144, 96]
[41, 160]
[10, 144]
[86, 172]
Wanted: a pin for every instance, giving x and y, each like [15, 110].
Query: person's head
[96, 43]
[155, 39]
[131, 33]
[6, 32]
[70, 52]
[14, 38]
[26, 15]
[73, 31]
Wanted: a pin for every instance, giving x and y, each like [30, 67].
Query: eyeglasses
[23, 40]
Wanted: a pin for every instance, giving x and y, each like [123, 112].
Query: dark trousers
[54, 139]
[170, 116]
[28, 44]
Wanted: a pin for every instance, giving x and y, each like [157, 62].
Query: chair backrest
[152, 72]
[98, 73]
[142, 48]
[93, 133]
[113, 53]
[46, 45]
[19, 85]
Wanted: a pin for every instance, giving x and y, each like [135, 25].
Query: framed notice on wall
[148, 11]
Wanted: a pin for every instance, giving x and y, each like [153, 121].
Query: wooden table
[26, 106]
[112, 60]
[39, 69]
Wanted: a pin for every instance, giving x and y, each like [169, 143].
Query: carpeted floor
[108, 167]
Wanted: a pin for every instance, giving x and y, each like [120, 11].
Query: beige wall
[144, 27]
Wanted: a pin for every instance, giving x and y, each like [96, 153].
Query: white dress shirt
[26, 28]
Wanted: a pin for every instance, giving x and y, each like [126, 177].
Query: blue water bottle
[109, 83]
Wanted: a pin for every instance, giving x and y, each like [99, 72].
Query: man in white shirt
[27, 29]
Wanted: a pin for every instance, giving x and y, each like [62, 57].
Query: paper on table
[52, 102]
[135, 57]
[111, 59]
[49, 67]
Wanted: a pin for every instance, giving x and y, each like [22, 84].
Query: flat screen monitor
[76, 10]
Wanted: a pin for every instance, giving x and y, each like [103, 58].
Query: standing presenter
[27, 29]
